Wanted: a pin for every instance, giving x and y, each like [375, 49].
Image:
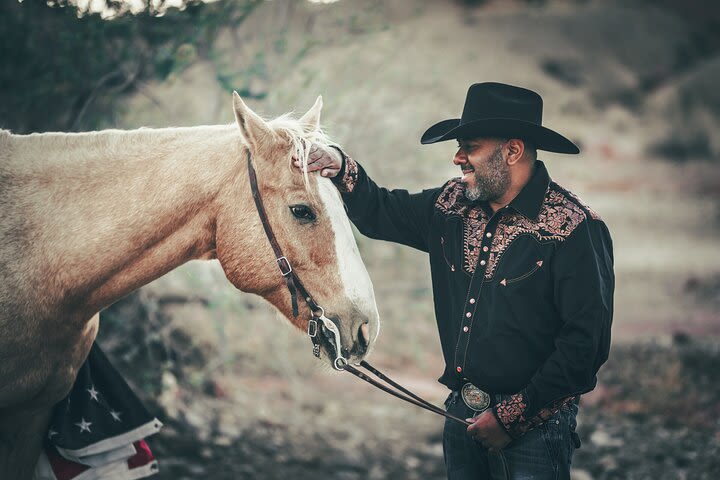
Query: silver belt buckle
[475, 398]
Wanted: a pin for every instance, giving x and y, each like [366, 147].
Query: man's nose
[460, 158]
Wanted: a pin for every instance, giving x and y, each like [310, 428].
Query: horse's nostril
[364, 337]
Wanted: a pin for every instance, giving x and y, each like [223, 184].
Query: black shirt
[523, 297]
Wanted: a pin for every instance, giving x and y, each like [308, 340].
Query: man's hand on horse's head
[323, 158]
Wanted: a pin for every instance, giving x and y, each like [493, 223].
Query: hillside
[632, 83]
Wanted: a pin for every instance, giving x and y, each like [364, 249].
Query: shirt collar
[530, 199]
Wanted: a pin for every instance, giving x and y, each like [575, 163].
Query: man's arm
[392, 215]
[584, 283]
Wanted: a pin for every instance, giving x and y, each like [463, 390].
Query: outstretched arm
[392, 215]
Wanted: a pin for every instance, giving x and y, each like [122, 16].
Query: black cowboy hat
[500, 110]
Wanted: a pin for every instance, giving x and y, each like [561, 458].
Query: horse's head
[308, 219]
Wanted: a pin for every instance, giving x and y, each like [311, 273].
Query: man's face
[486, 175]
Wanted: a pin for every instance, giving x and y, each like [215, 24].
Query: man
[523, 282]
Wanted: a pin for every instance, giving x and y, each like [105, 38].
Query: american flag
[98, 430]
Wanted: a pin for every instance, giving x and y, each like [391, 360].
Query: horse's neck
[119, 209]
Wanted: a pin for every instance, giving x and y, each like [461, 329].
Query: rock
[222, 441]
[170, 396]
[608, 462]
[580, 474]
[603, 439]
[412, 463]
[377, 473]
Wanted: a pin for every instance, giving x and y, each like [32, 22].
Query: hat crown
[490, 100]
[497, 110]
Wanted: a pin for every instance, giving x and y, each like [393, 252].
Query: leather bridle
[294, 284]
[319, 324]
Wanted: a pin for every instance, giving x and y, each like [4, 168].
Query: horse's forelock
[300, 140]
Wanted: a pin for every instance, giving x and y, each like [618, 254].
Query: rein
[319, 324]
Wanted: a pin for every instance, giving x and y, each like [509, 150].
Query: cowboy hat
[500, 110]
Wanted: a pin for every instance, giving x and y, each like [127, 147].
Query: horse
[86, 218]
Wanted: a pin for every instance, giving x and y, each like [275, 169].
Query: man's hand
[322, 158]
[487, 431]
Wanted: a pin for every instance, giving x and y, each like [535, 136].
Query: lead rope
[408, 397]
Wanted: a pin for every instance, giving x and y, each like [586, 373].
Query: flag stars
[115, 415]
[84, 426]
[93, 393]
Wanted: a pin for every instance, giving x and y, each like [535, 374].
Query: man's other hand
[486, 430]
[326, 159]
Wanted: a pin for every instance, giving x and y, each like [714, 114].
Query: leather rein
[319, 324]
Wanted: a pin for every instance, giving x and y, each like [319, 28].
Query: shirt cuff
[512, 413]
[347, 178]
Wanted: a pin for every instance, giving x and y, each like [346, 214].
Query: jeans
[544, 453]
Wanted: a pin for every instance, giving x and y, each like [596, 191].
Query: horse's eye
[302, 212]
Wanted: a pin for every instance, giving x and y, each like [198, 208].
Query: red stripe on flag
[63, 468]
[142, 457]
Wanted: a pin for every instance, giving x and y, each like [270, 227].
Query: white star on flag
[115, 415]
[93, 393]
[84, 426]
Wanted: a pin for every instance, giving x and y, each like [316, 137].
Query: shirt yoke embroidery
[560, 214]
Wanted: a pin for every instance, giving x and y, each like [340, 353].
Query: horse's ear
[311, 120]
[255, 130]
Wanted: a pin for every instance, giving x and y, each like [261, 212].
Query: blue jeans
[544, 453]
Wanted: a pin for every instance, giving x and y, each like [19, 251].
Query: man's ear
[311, 120]
[515, 149]
[255, 130]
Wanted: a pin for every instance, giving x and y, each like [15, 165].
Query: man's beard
[494, 183]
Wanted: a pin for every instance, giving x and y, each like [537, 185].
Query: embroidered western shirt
[523, 296]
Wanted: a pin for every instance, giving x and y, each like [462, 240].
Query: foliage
[65, 67]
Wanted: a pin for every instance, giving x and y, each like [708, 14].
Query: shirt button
[472, 300]
[468, 314]
[488, 234]
[459, 369]
[485, 249]
[482, 262]
[465, 329]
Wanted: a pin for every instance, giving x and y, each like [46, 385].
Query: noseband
[319, 324]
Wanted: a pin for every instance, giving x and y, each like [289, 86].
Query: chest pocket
[521, 262]
[452, 244]
[509, 281]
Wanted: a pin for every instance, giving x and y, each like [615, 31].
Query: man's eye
[302, 212]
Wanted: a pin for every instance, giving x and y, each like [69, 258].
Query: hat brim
[542, 138]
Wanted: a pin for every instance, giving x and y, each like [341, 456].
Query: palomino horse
[87, 218]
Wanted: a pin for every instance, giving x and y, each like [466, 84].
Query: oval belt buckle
[475, 398]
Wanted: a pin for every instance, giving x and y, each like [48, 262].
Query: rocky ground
[665, 431]
[654, 415]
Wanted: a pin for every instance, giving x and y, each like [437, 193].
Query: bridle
[319, 324]
[294, 284]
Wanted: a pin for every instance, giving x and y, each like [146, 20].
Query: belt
[475, 398]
